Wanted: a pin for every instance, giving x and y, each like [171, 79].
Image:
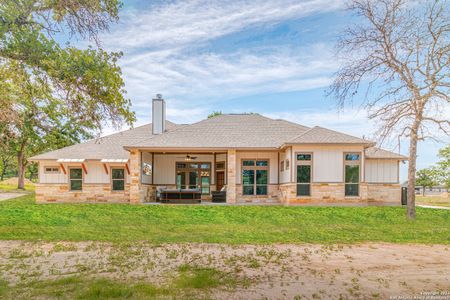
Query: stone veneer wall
[136, 192]
[384, 192]
[272, 197]
[92, 192]
[231, 176]
[335, 193]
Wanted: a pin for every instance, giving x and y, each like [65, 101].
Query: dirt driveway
[368, 271]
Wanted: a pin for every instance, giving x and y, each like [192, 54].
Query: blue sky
[270, 57]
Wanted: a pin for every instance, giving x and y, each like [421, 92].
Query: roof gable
[320, 135]
[375, 152]
[107, 147]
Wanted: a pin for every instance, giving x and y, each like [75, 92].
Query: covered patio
[181, 177]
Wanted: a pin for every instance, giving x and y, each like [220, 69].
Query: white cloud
[209, 77]
[164, 53]
[183, 23]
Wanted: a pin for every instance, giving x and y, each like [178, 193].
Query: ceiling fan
[188, 157]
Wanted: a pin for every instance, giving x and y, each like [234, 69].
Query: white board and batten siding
[51, 177]
[327, 162]
[95, 172]
[382, 171]
[285, 174]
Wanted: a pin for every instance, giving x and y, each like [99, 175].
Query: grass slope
[433, 201]
[22, 219]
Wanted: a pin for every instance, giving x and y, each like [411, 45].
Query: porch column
[135, 180]
[231, 176]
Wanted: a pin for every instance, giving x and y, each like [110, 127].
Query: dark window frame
[352, 159]
[53, 170]
[118, 179]
[194, 167]
[76, 179]
[262, 164]
[304, 162]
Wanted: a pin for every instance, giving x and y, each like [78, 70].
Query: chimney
[159, 114]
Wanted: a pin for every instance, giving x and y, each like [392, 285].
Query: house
[255, 158]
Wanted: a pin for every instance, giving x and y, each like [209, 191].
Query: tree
[426, 178]
[443, 166]
[54, 95]
[399, 54]
[6, 161]
[214, 114]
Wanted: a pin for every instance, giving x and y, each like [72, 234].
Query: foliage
[23, 219]
[438, 174]
[443, 166]
[426, 178]
[54, 95]
[214, 114]
[399, 54]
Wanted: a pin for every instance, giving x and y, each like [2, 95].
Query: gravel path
[7, 196]
[363, 271]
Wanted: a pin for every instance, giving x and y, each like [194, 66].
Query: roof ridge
[164, 133]
[293, 123]
[295, 137]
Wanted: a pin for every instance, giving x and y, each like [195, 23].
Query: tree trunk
[411, 207]
[423, 191]
[2, 176]
[21, 170]
[4, 169]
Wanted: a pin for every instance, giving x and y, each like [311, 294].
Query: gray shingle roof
[320, 135]
[227, 131]
[223, 131]
[107, 147]
[374, 152]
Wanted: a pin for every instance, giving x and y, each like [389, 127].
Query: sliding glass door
[191, 175]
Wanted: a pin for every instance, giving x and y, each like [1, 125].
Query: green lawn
[433, 200]
[13, 188]
[22, 219]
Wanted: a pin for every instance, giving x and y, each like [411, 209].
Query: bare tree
[399, 54]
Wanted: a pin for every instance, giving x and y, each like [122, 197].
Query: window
[287, 164]
[351, 169]
[76, 179]
[282, 165]
[220, 165]
[304, 156]
[118, 179]
[194, 176]
[255, 177]
[304, 174]
[51, 170]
